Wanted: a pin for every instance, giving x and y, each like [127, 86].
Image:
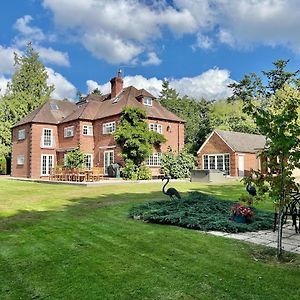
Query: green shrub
[144, 173]
[131, 171]
[177, 166]
[202, 212]
[75, 159]
[3, 166]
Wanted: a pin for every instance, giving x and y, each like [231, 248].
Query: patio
[290, 241]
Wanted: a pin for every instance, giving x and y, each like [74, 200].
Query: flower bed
[200, 211]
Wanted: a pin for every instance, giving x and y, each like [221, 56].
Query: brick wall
[95, 145]
[37, 148]
[173, 132]
[21, 147]
[216, 145]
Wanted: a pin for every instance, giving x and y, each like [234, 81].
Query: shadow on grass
[77, 207]
[82, 206]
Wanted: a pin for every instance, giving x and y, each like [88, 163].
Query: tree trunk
[279, 233]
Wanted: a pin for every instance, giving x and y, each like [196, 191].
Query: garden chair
[58, 173]
[52, 174]
[79, 175]
[97, 174]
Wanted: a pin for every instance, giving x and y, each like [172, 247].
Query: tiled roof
[243, 142]
[51, 112]
[98, 107]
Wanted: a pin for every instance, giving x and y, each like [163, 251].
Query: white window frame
[47, 167]
[87, 130]
[154, 160]
[21, 160]
[155, 127]
[51, 138]
[65, 158]
[68, 131]
[21, 134]
[88, 164]
[215, 157]
[147, 101]
[113, 159]
[109, 128]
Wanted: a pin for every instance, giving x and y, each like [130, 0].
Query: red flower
[239, 209]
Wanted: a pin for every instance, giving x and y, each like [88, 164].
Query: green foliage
[134, 137]
[3, 169]
[27, 90]
[200, 211]
[75, 159]
[275, 108]
[133, 172]
[194, 112]
[144, 173]
[226, 115]
[129, 170]
[177, 166]
[96, 91]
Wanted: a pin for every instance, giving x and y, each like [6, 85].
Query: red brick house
[232, 152]
[42, 139]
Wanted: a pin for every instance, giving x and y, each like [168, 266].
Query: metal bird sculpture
[251, 189]
[171, 192]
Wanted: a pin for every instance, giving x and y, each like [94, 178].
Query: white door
[108, 159]
[241, 166]
[47, 161]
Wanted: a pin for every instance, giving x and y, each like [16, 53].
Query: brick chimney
[116, 84]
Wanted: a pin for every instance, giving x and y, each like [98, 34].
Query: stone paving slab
[290, 240]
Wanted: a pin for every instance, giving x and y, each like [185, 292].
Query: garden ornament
[171, 192]
[251, 189]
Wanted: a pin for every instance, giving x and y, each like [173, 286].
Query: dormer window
[147, 101]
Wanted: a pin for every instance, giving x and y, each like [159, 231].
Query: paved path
[290, 241]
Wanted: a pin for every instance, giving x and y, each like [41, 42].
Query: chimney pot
[116, 84]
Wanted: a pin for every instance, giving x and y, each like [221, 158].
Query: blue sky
[200, 46]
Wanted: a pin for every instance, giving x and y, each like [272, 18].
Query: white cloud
[30, 32]
[152, 60]
[7, 59]
[203, 42]
[63, 88]
[49, 55]
[212, 84]
[113, 50]
[131, 26]
[3, 85]
[137, 25]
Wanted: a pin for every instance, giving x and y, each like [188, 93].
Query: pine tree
[194, 112]
[27, 90]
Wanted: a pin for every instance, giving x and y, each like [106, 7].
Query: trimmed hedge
[201, 212]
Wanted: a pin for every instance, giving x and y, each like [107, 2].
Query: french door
[47, 162]
[108, 159]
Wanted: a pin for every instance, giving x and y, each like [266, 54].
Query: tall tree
[226, 115]
[27, 90]
[275, 108]
[194, 112]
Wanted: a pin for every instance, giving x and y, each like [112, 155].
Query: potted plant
[241, 213]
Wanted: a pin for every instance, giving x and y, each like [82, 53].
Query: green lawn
[67, 242]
